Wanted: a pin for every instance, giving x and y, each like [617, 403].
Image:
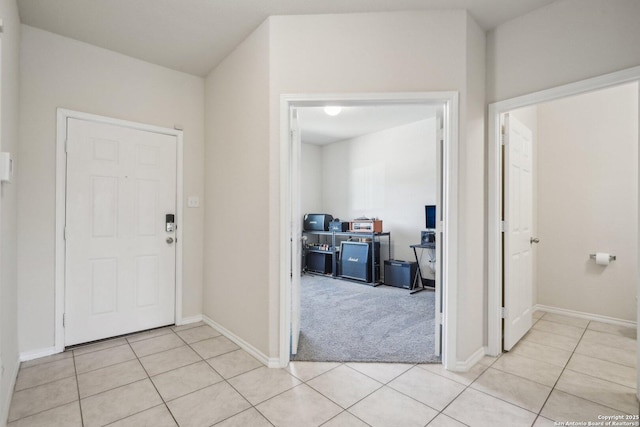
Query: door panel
[518, 204]
[120, 270]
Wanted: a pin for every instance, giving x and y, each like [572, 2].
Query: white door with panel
[120, 259]
[518, 239]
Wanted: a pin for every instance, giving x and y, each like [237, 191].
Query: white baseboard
[583, 315]
[271, 362]
[190, 319]
[4, 410]
[35, 354]
[476, 356]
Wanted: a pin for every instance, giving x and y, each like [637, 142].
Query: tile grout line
[562, 372]
[374, 391]
[563, 369]
[153, 384]
[75, 369]
[251, 406]
[133, 382]
[465, 389]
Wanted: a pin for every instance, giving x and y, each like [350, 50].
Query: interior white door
[296, 231]
[120, 260]
[518, 209]
[439, 215]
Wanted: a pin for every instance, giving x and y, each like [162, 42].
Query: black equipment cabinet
[318, 261]
[400, 274]
[356, 260]
[332, 246]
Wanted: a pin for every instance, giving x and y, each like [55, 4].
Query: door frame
[449, 209]
[496, 110]
[61, 186]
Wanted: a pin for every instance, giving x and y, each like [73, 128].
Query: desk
[419, 272]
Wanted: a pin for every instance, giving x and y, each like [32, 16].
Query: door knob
[169, 240]
[534, 240]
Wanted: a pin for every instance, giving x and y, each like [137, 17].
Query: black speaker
[338, 226]
[427, 237]
[317, 222]
[400, 274]
[319, 262]
[355, 260]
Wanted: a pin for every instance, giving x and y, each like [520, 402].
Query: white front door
[120, 260]
[518, 210]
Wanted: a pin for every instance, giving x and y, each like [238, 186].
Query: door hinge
[64, 318]
[66, 145]
[503, 312]
[503, 136]
[440, 130]
[503, 227]
[441, 318]
[65, 232]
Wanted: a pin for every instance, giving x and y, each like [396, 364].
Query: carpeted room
[376, 161]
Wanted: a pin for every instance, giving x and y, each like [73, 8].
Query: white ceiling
[318, 128]
[195, 35]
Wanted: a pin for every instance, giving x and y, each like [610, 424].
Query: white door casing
[296, 232]
[495, 255]
[518, 211]
[449, 209]
[440, 194]
[120, 272]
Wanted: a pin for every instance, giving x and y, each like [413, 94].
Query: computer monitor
[430, 215]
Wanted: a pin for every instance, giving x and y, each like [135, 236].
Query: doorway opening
[571, 242]
[291, 210]
[362, 295]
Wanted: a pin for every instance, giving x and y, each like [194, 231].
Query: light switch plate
[193, 202]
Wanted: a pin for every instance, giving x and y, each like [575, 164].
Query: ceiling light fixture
[332, 111]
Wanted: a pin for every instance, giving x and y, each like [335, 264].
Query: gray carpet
[344, 321]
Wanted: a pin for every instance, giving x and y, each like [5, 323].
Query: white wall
[472, 181]
[374, 52]
[587, 201]
[9, 101]
[392, 52]
[60, 72]
[237, 254]
[389, 175]
[566, 41]
[311, 179]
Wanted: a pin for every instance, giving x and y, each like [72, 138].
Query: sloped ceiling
[193, 36]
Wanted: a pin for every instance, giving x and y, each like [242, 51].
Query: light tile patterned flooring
[565, 369]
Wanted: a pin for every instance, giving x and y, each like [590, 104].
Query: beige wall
[377, 52]
[8, 203]
[60, 72]
[392, 52]
[237, 258]
[566, 41]
[592, 208]
[472, 180]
